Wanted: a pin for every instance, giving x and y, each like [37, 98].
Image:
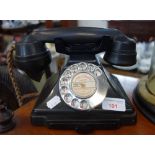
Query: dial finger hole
[83, 104]
[63, 90]
[75, 103]
[82, 66]
[68, 98]
[98, 72]
[64, 81]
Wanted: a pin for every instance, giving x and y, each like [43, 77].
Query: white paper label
[53, 102]
[114, 104]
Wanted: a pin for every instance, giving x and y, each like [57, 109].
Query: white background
[79, 10]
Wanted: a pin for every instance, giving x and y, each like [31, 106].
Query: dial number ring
[83, 86]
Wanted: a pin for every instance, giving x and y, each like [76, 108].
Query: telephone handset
[79, 96]
[81, 44]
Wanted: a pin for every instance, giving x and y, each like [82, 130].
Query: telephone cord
[11, 74]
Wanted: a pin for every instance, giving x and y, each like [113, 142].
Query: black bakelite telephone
[84, 95]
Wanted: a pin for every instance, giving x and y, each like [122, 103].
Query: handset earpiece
[123, 52]
[33, 58]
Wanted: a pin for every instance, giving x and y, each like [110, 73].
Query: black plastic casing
[81, 44]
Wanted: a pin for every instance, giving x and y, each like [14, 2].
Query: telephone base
[65, 117]
[103, 121]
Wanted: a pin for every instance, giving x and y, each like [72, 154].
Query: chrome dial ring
[83, 86]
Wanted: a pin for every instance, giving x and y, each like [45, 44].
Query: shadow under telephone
[84, 95]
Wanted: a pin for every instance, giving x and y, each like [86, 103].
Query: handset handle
[71, 35]
[74, 40]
